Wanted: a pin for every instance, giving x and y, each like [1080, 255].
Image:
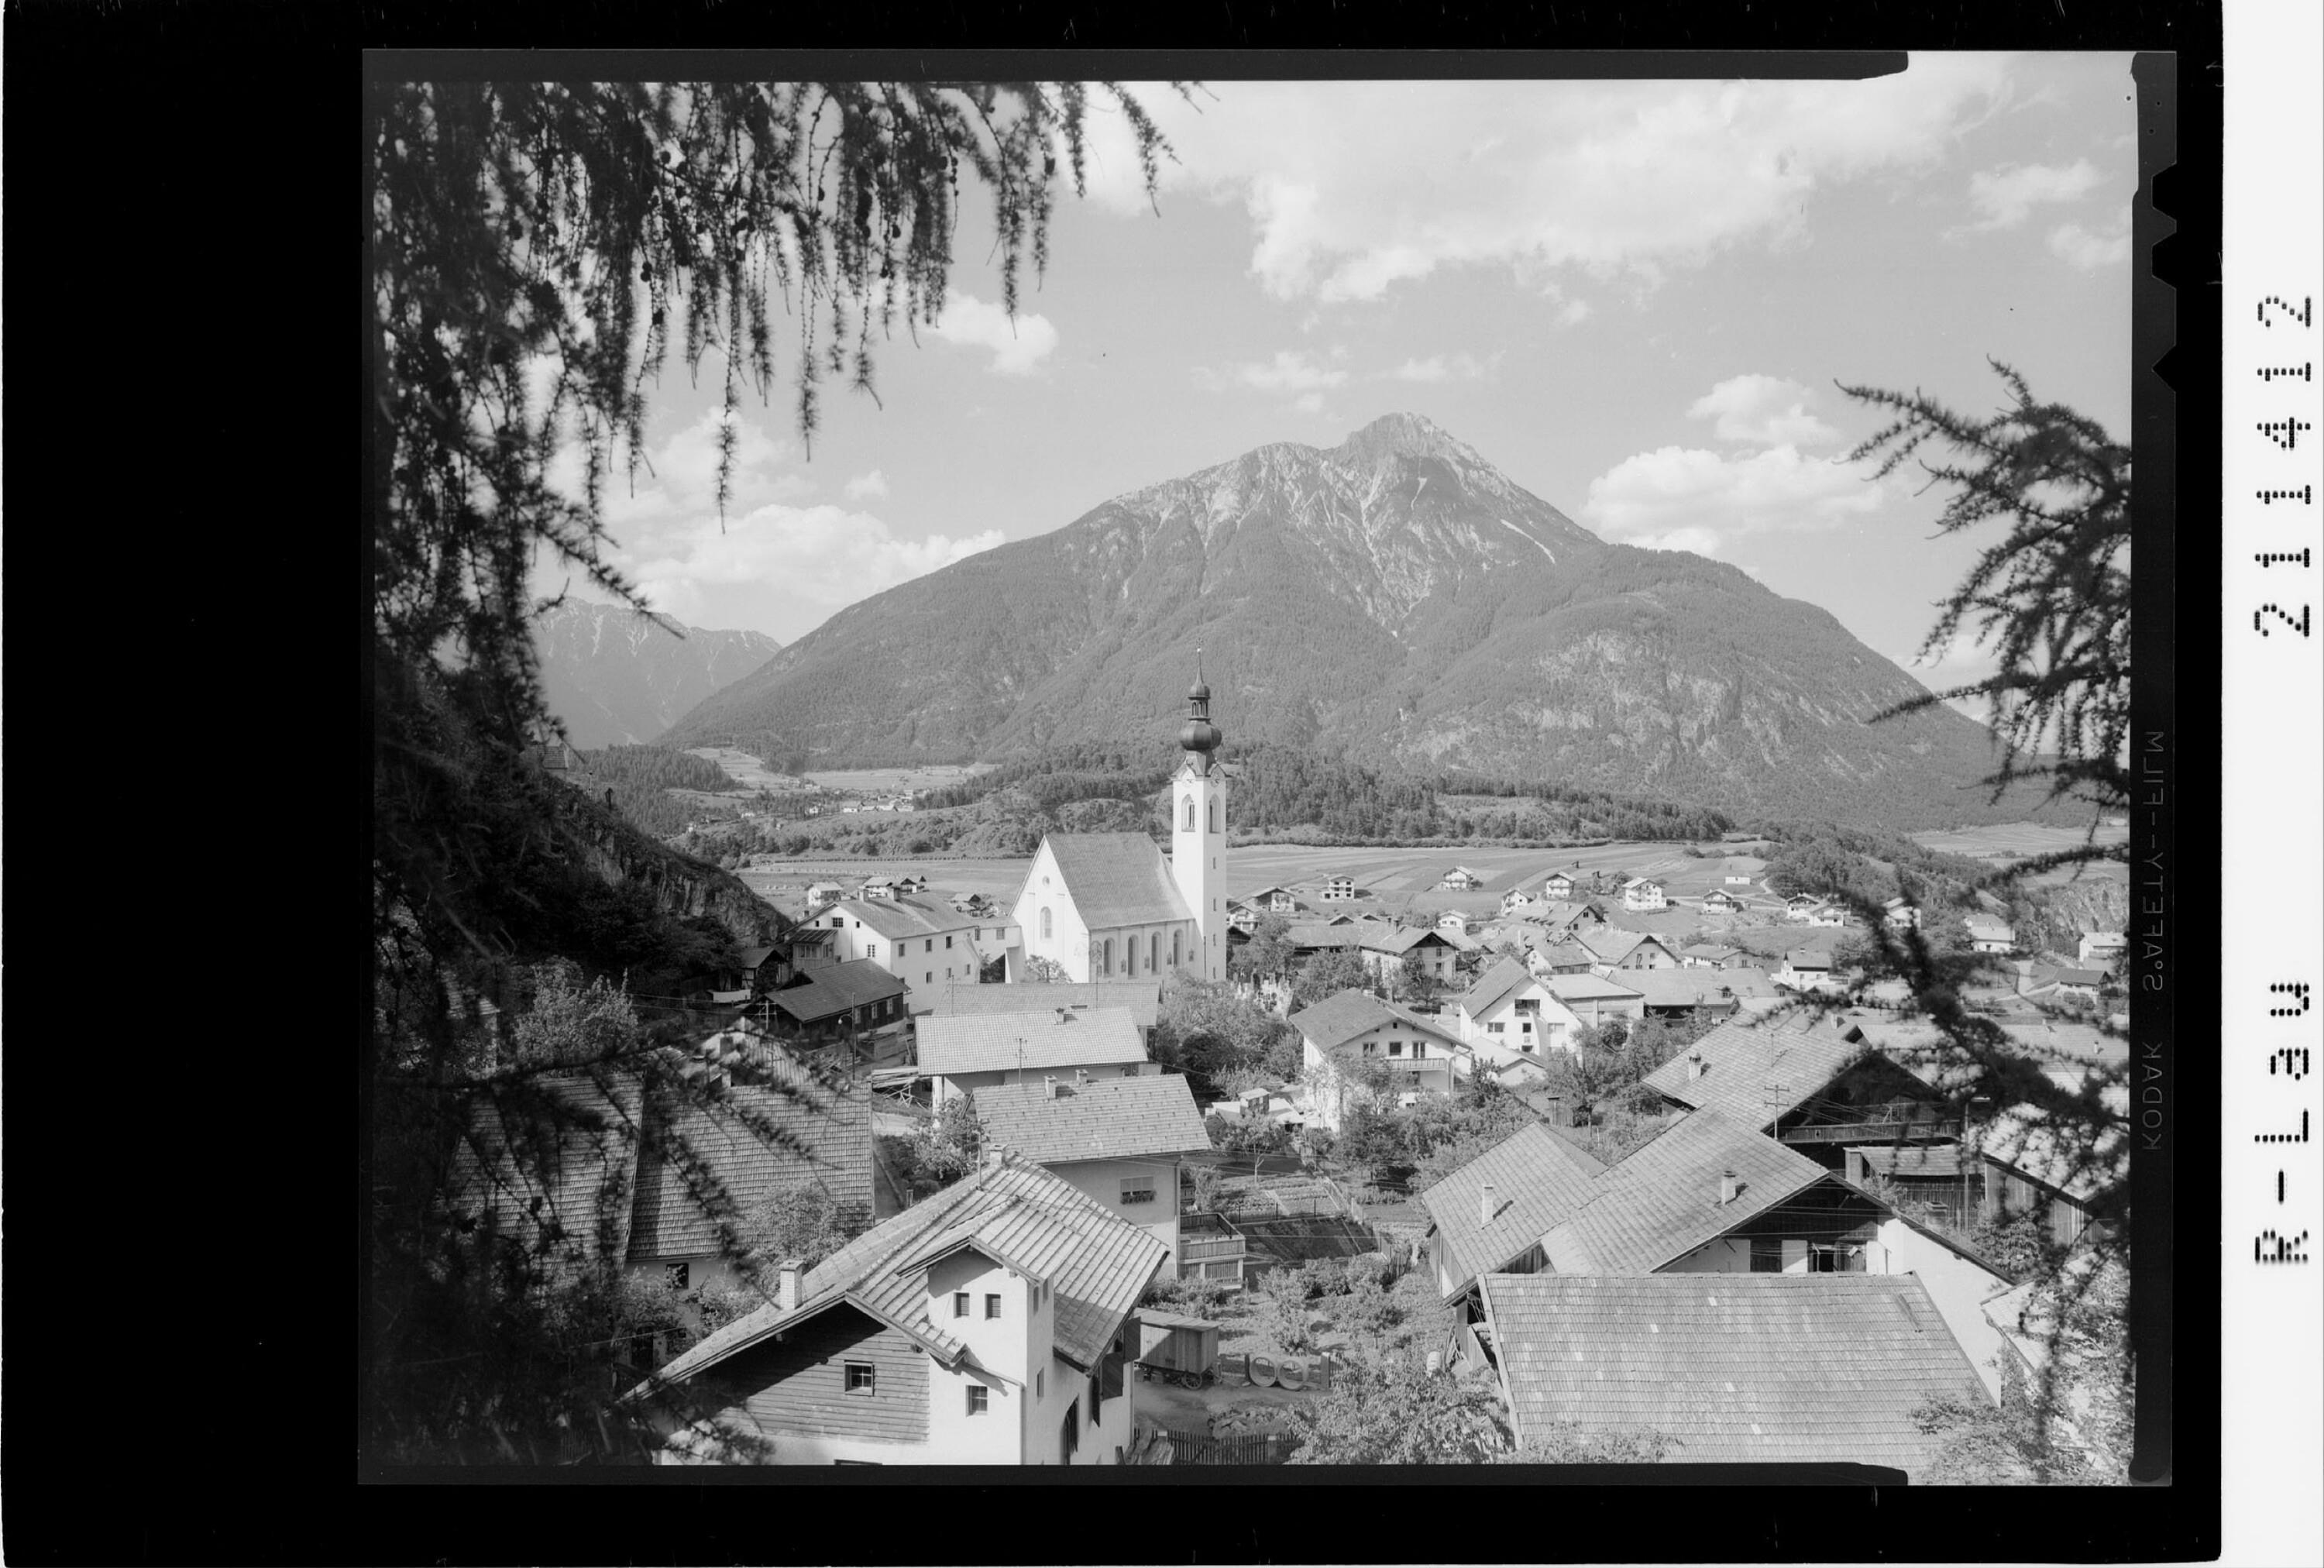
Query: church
[1106, 905]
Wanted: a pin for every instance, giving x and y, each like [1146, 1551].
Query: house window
[1420, 1047]
[948, 942]
[838, 922]
[1767, 1255]
[1368, 1047]
[862, 1378]
[1136, 1189]
[977, 1394]
[871, 950]
[992, 1306]
[676, 1274]
[928, 977]
[1828, 1259]
[960, 1304]
[1396, 1047]
[929, 946]
[1045, 924]
[1190, 814]
[1097, 1397]
[1496, 1028]
[1040, 1384]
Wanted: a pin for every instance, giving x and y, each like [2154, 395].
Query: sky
[1634, 298]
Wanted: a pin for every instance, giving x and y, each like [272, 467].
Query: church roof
[1117, 879]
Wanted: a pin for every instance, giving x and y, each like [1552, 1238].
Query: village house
[1385, 947]
[2031, 1162]
[1345, 1035]
[1933, 1183]
[1510, 1013]
[988, 1324]
[922, 942]
[1275, 901]
[1337, 890]
[1758, 1368]
[1809, 969]
[1610, 949]
[1119, 1141]
[1516, 898]
[1557, 886]
[1595, 999]
[1713, 1195]
[961, 1053]
[1818, 1089]
[1683, 993]
[1644, 893]
[1800, 906]
[1988, 935]
[854, 999]
[1719, 902]
[1901, 914]
[1490, 1214]
[1564, 921]
[2076, 984]
[2103, 949]
[1561, 958]
[1142, 998]
[823, 892]
[1828, 915]
[1461, 879]
[1452, 923]
[1712, 956]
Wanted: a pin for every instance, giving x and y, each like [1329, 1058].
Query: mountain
[1396, 600]
[614, 677]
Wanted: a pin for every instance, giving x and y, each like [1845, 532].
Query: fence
[1247, 1448]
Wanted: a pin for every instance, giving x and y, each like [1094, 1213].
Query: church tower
[1198, 832]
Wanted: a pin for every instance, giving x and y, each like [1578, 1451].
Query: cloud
[1684, 498]
[1354, 187]
[1439, 367]
[679, 476]
[1018, 347]
[873, 483]
[2005, 197]
[1291, 372]
[1763, 411]
[2079, 247]
[1309, 402]
[818, 558]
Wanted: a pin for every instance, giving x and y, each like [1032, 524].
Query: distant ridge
[1395, 599]
[616, 678]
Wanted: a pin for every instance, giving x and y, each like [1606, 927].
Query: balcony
[1870, 1131]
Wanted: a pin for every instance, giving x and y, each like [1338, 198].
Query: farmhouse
[1489, 1216]
[854, 998]
[2103, 948]
[1461, 879]
[988, 1324]
[1119, 1141]
[1275, 901]
[1819, 1090]
[1808, 968]
[1347, 1034]
[1557, 888]
[962, 1054]
[1828, 915]
[1988, 935]
[1756, 1368]
[1562, 958]
[1509, 1013]
[1719, 902]
[1385, 947]
[1610, 949]
[1106, 905]
[1800, 906]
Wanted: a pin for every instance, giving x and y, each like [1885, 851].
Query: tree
[1041, 971]
[1328, 973]
[1267, 955]
[1417, 984]
[1395, 1411]
[1208, 1030]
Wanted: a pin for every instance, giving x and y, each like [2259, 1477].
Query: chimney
[1081, 1076]
[786, 1285]
[1049, 1084]
[1727, 1186]
[1694, 1067]
[1485, 1205]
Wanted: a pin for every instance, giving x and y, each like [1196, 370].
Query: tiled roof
[1340, 1018]
[837, 989]
[2081, 977]
[1737, 1367]
[1588, 988]
[826, 1141]
[996, 1042]
[1609, 945]
[1567, 954]
[1679, 987]
[1809, 958]
[903, 916]
[1097, 1263]
[1756, 1073]
[1400, 939]
[577, 1153]
[1926, 1160]
[1538, 1178]
[1116, 878]
[1708, 950]
[1324, 934]
[1661, 1202]
[752, 956]
[1105, 1118]
[1143, 998]
[1501, 977]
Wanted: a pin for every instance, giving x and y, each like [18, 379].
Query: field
[895, 780]
[2007, 843]
[1393, 874]
[781, 882]
[748, 770]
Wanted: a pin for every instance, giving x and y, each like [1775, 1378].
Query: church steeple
[1199, 736]
[1198, 831]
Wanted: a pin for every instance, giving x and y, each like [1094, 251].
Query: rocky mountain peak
[1404, 435]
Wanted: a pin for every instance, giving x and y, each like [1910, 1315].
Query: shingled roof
[1538, 1178]
[1116, 878]
[837, 989]
[1738, 1368]
[1341, 1017]
[1572, 988]
[1661, 1202]
[1501, 977]
[1142, 998]
[1609, 944]
[1105, 1118]
[1097, 1263]
[574, 1148]
[1039, 1040]
[1756, 1074]
[826, 1141]
[903, 916]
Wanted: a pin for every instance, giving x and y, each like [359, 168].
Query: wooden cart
[1175, 1349]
